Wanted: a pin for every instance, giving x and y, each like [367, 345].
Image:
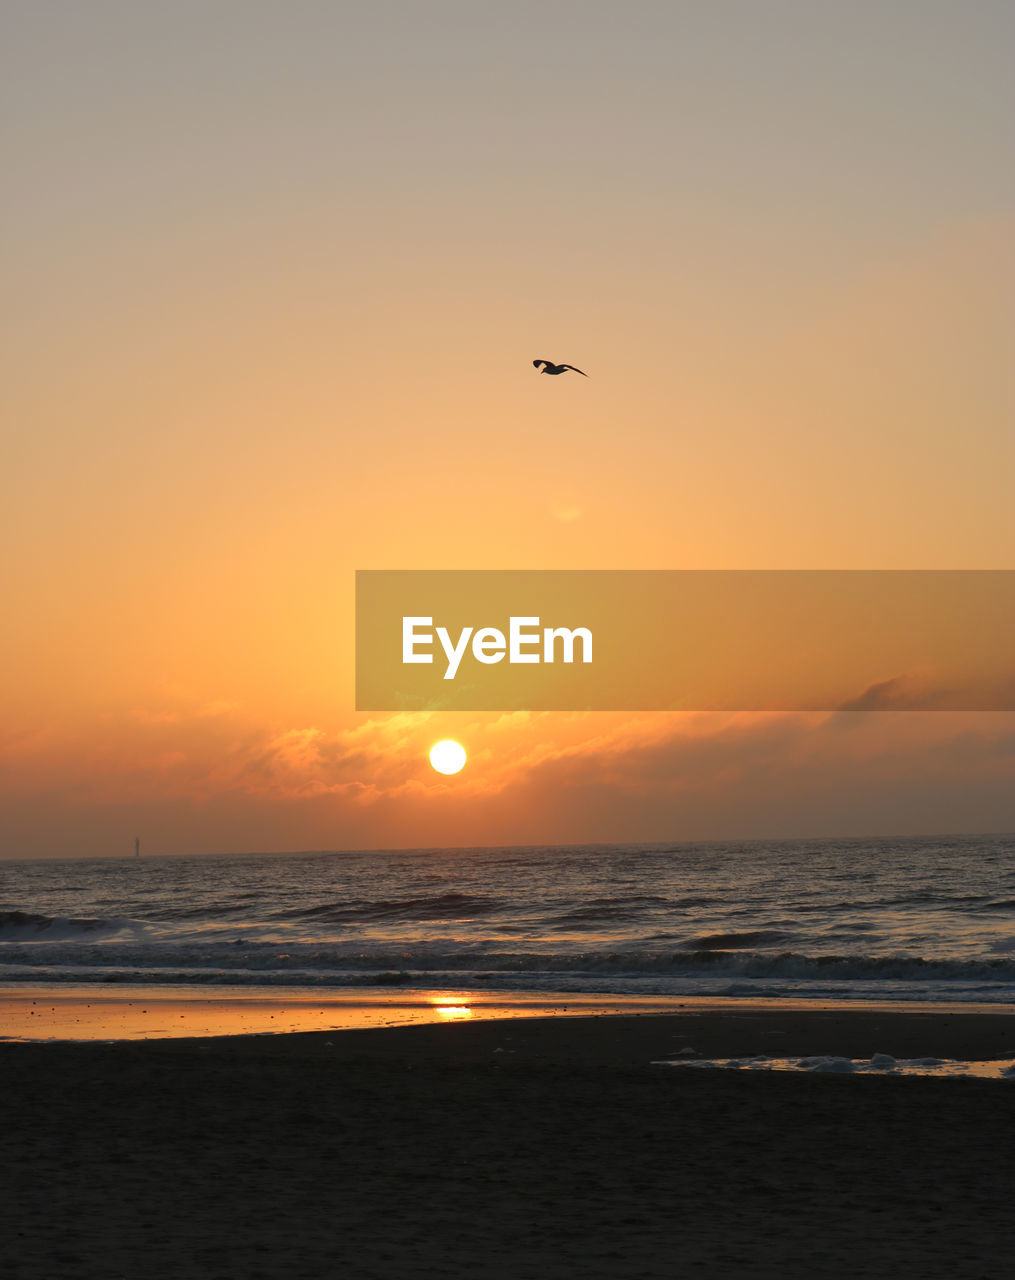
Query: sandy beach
[546, 1146]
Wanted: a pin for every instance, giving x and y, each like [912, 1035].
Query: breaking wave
[316, 965]
[23, 925]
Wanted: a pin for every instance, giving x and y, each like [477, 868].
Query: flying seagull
[550, 367]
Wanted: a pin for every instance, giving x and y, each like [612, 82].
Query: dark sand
[422, 1151]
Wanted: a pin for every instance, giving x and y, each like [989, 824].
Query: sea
[898, 919]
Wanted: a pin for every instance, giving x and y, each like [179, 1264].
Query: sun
[447, 756]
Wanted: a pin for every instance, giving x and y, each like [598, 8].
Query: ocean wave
[912, 899]
[211, 911]
[790, 964]
[605, 909]
[260, 960]
[445, 906]
[733, 941]
[19, 926]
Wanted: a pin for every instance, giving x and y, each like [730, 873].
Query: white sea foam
[879, 1064]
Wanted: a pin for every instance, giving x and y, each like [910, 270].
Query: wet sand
[38, 1011]
[527, 1148]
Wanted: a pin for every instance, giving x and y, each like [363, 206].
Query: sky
[274, 278]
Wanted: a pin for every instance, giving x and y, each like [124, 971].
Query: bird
[550, 367]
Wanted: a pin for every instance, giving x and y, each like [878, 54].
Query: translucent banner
[687, 640]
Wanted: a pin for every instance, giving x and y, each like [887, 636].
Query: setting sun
[448, 756]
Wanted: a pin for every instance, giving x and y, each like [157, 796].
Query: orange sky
[274, 283]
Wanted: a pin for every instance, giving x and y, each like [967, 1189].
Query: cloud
[900, 693]
[531, 778]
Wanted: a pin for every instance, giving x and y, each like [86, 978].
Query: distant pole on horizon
[137, 846]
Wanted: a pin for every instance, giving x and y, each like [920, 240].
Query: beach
[524, 1147]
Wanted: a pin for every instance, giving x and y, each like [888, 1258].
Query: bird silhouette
[550, 367]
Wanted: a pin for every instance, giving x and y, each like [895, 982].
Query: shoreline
[473, 1027]
[65, 1013]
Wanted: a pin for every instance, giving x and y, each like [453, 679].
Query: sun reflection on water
[450, 1008]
